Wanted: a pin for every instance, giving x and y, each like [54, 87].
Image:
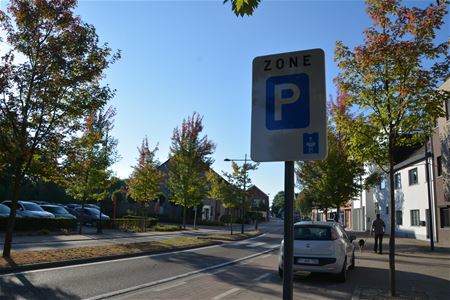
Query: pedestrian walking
[378, 228]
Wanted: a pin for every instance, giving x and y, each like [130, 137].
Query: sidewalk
[406, 245]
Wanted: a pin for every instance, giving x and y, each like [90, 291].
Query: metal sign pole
[288, 255]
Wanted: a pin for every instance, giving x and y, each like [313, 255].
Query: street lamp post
[245, 182]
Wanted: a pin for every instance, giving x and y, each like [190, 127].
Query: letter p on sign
[287, 102]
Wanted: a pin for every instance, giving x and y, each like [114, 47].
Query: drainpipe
[430, 213]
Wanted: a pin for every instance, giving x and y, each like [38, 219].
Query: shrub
[210, 223]
[167, 228]
[130, 224]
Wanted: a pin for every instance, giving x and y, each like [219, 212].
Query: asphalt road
[107, 279]
[236, 270]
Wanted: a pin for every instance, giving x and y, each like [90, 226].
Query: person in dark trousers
[378, 227]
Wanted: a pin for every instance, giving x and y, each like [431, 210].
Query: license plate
[308, 261]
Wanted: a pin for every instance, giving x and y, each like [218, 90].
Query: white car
[27, 209]
[321, 247]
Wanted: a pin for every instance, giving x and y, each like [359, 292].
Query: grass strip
[21, 258]
[231, 237]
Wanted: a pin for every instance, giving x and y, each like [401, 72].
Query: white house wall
[407, 198]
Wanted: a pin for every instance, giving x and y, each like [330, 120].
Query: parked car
[92, 206]
[29, 209]
[38, 202]
[58, 211]
[71, 207]
[321, 247]
[90, 215]
[4, 211]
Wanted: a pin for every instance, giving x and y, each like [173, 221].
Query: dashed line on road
[168, 286]
[232, 291]
[262, 276]
[150, 284]
[255, 245]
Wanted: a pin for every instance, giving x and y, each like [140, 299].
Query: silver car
[321, 247]
[4, 211]
[28, 209]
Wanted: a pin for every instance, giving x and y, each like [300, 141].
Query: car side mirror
[352, 238]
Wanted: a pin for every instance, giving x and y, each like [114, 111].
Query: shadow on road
[19, 287]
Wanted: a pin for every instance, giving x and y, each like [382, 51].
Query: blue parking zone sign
[287, 102]
[289, 120]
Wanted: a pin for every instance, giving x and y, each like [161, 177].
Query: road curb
[38, 266]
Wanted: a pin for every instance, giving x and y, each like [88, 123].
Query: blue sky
[184, 56]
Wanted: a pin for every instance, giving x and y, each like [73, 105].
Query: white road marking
[150, 284]
[262, 276]
[119, 259]
[225, 294]
[169, 286]
[105, 261]
[255, 245]
[266, 256]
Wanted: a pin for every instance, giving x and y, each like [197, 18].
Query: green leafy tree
[221, 190]
[278, 203]
[189, 161]
[145, 181]
[304, 204]
[332, 182]
[241, 181]
[243, 7]
[390, 83]
[89, 158]
[45, 93]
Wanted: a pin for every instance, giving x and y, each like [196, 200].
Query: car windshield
[312, 232]
[56, 209]
[92, 211]
[4, 209]
[32, 206]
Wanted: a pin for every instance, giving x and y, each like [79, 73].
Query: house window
[413, 176]
[397, 181]
[387, 209]
[439, 166]
[399, 217]
[445, 217]
[415, 217]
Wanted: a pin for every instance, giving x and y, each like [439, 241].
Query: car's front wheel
[342, 276]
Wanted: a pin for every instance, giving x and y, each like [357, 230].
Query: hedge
[33, 224]
[134, 224]
[210, 223]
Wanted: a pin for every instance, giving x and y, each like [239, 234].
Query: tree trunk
[195, 217]
[184, 217]
[99, 224]
[392, 281]
[143, 216]
[12, 215]
[231, 222]
[243, 219]
[80, 230]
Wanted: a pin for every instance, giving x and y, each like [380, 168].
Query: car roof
[50, 205]
[322, 223]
